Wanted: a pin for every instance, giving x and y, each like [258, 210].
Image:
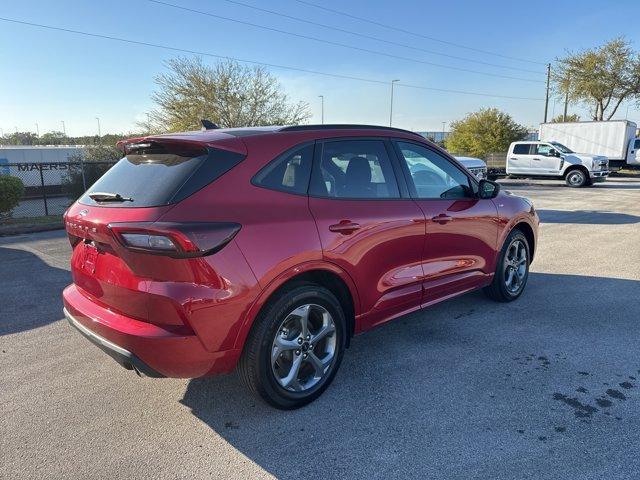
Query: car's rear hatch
[119, 245]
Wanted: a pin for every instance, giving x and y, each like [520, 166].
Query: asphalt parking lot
[546, 387]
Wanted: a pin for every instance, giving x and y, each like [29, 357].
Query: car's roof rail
[344, 126]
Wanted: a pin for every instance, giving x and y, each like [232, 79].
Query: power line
[343, 45]
[253, 62]
[398, 29]
[377, 39]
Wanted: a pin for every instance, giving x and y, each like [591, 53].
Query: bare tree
[601, 78]
[228, 93]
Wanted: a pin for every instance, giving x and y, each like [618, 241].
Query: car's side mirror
[488, 189]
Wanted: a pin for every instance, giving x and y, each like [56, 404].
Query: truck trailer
[614, 139]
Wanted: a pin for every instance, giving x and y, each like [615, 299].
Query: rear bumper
[143, 347]
[124, 357]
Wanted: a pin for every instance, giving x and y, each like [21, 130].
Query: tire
[298, 375]
[577, 178]
[503, 287]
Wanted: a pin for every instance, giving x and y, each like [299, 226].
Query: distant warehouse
[27, 162]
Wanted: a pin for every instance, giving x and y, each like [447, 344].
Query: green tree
[482, 132]
[11, 191]
[228, 94]
[601, 78]
[20, 138]
[572, 117]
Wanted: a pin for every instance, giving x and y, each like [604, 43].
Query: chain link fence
[49, 188]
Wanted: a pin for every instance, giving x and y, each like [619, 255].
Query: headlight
[597, 165]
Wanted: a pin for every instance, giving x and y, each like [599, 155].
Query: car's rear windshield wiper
[109, 197]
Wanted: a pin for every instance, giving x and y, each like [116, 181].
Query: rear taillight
[177, 240]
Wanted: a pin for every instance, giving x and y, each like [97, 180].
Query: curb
[7, 230]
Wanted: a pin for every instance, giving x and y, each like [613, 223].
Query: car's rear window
[156, 177]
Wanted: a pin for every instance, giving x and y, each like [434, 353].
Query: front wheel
[512, 270]
[295, 347]
[577, 178]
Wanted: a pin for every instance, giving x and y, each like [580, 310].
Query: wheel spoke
[326, 330]
[319, 365]
[509, 279]
[292, 377]
[303, 319]
[281, 345]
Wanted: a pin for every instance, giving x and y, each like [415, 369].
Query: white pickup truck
[554, 160]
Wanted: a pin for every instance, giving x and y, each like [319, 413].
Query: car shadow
[468, 383]
[586, 217]
[30, 290]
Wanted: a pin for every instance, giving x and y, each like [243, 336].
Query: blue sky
[50, 76]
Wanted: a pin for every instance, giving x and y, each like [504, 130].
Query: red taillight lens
[177, 240]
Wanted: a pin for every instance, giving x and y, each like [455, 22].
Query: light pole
[37, 129]
[321, 108]
[99, 135]
[64, 128]
[391, 107]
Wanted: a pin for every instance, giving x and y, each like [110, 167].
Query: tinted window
[354, 169]
[433, 175]
[521, 149]
[637, 144]
[156, 177]
[289, 172]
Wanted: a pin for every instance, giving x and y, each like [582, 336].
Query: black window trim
[278, 157]
[473, 181]
[399, 178]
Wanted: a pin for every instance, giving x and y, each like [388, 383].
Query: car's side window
[289, 172]
[354, 169]
[433, 175]
[543, 149]
[521, 149]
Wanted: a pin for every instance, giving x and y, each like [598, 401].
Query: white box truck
[614, 139]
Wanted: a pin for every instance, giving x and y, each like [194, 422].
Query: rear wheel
[577, 178]
[512, 270]
[295, 347]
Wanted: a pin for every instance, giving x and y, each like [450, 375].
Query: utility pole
[321, 108]
[566, 101]
[99, 135]
[391, 109]
[38, 129]
[546, 101]
[443, 124]
[64, 128]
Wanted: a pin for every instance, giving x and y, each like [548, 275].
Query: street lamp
[322, 108]
[98, 119]
[391, 107]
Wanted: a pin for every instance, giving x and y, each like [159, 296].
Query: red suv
[269, 248]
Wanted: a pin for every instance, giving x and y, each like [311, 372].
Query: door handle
[442, 218]
[536, 159]
[345, 227]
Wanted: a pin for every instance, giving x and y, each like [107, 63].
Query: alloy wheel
[515, 266]
[304, 348]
